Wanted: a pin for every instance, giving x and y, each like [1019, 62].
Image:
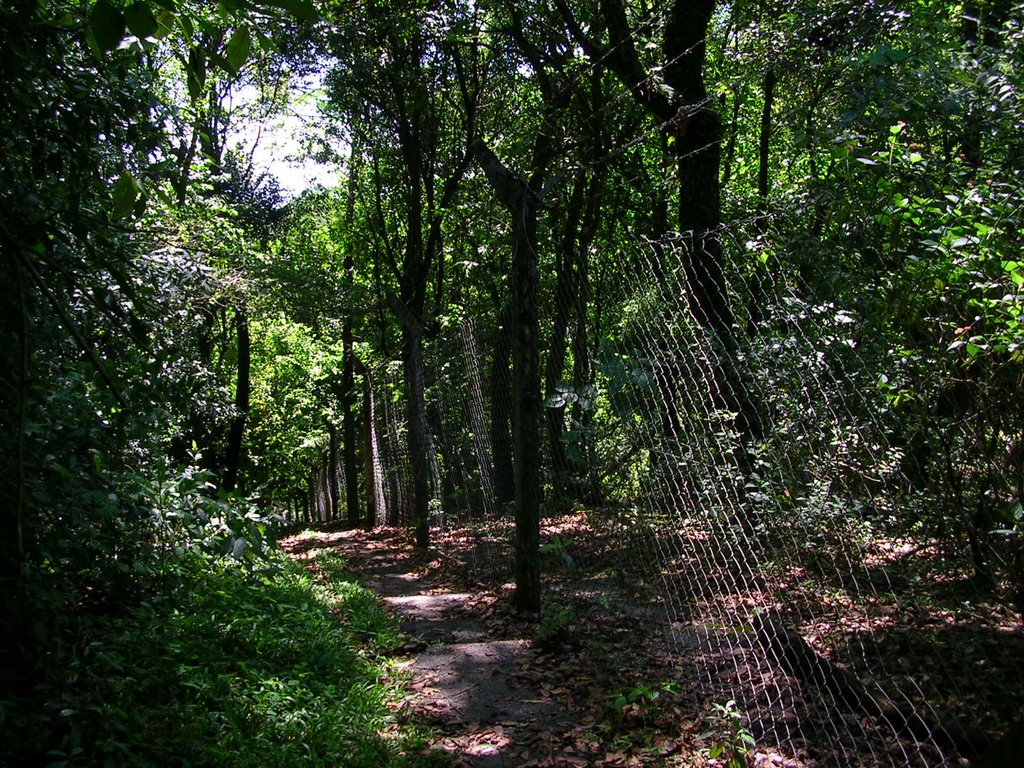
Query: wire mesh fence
[818, 546]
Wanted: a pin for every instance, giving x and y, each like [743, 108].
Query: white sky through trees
[282, 143]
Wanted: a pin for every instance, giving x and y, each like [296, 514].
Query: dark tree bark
[501, 408]
[698, 132]
[348, 384]
[686, 113]
[521, 201]
[233, 454]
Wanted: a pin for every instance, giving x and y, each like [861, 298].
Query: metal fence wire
[834, 559]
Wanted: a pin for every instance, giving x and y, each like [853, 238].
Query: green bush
[235, 667]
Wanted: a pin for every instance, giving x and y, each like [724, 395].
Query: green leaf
[126, 192]
[140, 20]
[106, 25]
[266, 44]
[195, 73]
[187, 26]
[164, 24]
[300, 9]
[238, 49]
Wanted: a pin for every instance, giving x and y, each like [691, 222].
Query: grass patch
[231, 668]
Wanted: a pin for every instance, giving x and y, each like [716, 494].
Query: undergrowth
[232, 666]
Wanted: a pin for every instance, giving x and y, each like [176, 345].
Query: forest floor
[583, 684]
[618, 670]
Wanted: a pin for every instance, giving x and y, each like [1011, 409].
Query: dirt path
[471, 675]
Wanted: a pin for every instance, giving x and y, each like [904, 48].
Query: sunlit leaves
[125, 195]
[165, 24]
[238, 49]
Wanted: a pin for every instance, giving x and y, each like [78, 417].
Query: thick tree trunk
[686, 113]
[698, 134]
[521, 202]
[526, 418]
[501, 409]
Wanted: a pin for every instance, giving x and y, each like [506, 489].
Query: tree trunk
[233, 454]
[698, 134]
[419, 443]
[333, 483]
[376, 509]
[501, 409]
[348, 384]
[521, 202]
[526, 416]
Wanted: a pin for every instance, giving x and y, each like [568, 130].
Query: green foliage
[728, 737]
[556, 623]
[882, 278]
[558, 546]
[638, 703]
[230, 667]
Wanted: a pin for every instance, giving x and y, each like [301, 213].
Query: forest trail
[475, 679]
